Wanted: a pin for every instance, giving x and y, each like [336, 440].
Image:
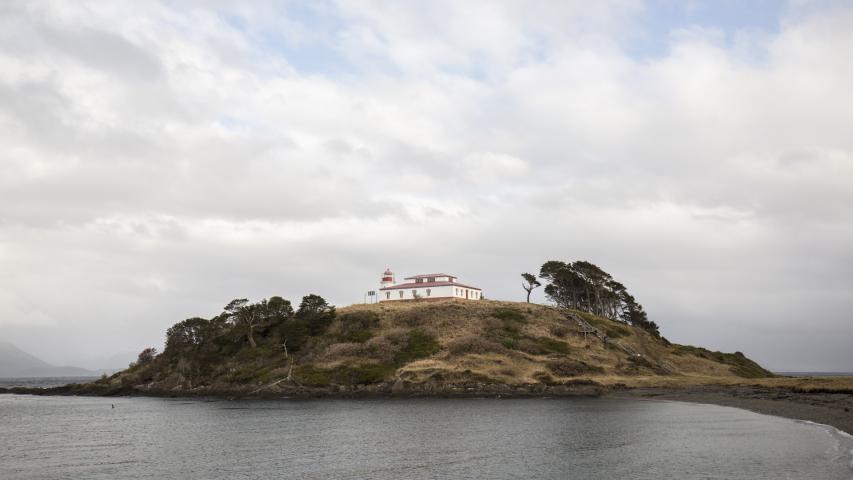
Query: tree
[584, 286]
[192, 332]
[530, 283]
[316, 312]
[279, 309]
[146, 356]
[241, 312]
[565, 286]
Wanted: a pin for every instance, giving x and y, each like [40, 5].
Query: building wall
[447, 291]
[459, 292]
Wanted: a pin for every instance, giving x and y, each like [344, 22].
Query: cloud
[159, 159]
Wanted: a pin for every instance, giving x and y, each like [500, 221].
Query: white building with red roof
[425, 286]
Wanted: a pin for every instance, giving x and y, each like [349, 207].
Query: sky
[158, 159]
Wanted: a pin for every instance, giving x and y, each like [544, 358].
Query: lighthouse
[387, 278]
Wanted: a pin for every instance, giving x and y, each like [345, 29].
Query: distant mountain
[15, 362]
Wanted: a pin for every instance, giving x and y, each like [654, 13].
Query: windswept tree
[248, 315]
[529, 284]
[584, 286]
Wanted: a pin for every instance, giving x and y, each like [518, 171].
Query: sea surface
[42, 382]
[151, 438]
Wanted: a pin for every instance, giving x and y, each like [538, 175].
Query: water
[42, 382]
[149, 438]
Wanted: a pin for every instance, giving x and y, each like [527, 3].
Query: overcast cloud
[158, 159]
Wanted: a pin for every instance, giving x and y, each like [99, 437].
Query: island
[593, 339]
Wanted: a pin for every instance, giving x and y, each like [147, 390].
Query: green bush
[419, 345]
[509, 314]
[357, 336]
[553, 346]
[617, 331]
[355, 326]
[364, 374]
[312, 376]
[362, 320]
[509, 337]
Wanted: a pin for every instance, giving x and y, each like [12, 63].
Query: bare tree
[530, 283]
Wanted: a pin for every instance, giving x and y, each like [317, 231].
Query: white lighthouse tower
[387, 279]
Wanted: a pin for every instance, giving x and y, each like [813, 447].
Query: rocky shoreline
[833, 408]
[586, 388]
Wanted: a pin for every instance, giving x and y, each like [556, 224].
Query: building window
[414, 294]
[431, 279]
[428, 291]
[387, 295]
[401, 293]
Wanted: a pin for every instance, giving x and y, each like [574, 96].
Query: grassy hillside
[429, 346]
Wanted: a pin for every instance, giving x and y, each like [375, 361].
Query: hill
[419, 348]
[16, 363]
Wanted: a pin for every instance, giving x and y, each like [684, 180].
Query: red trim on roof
[430, 275]
[427, 284]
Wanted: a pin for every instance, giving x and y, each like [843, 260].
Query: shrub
[473, 344]
[312, 376]
[553, 346]
[386, 347]
[340, 350]
[363, 374]
[617, 331]
[559, 331]
[509, 314]
[638, 362]
[419, 345]
[531, 346]
[358, 321]
[508, 337]
[344, 375]
[355, 326]
[541, 346]
[357, 336]
[414, 318]
[491, 324]
[570, 368]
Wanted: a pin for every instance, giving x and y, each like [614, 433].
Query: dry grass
[471, 332]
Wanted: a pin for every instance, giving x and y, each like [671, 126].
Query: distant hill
[16, 363]
[419, 347]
